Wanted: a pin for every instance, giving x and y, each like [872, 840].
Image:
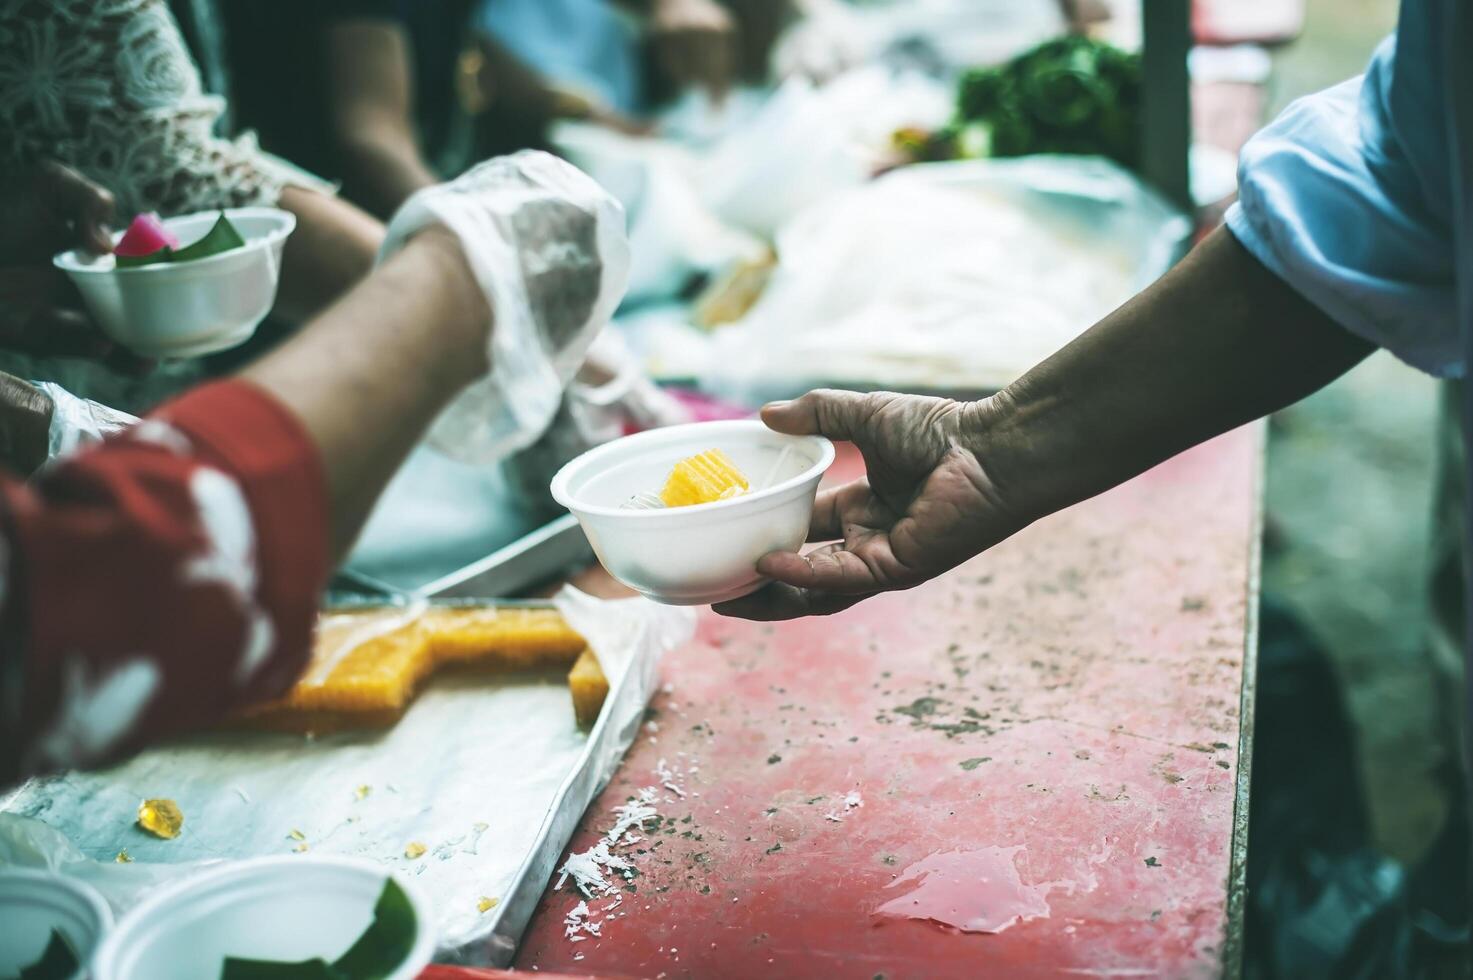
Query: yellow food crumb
[480, 826]
[414, 849]
[162, 818]
[362, 792]
[702, 479]
[123, 857]
[487, 904]
[297, 834]
[301, 848]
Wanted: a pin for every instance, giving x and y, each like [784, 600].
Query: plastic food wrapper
[947, 277]
[593, 413]
[77, 423]
[547, 247]
[490, 774]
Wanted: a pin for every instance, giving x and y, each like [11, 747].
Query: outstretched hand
[927, 504]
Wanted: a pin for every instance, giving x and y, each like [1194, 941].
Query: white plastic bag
[949, 277]
[592, 413]
[547, 246]
[76, 422]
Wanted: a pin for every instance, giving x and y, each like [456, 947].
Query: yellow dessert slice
[359, 680]
[589, 687]
[702, 479]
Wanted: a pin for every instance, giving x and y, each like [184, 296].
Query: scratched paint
[1073, 692]
[973, 891]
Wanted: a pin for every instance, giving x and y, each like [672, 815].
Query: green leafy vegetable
[222, 237]
[242, 969]
[58, 961]
[386, 943]
[377, 953]
[1070, 95]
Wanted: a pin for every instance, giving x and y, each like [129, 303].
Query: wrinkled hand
[695, 42]
[927, 504]
[42, 212]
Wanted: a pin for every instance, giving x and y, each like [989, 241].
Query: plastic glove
[611, 397]
[548, 248]
[77, 423]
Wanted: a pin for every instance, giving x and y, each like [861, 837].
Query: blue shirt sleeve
[1346, 196]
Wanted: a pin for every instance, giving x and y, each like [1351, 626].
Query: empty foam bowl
[703, 553]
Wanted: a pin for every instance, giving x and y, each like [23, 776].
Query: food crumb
[414, 849]
[361, 793]
[162, 818]
[301, 848]
[487, 904]
[297, 834]
[123, 857]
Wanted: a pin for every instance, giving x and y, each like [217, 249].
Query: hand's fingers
[837, 414]
[778, 601]
[80, 201]
[826, 523]
[829, 569]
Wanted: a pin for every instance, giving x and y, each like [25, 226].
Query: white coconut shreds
[851, 801]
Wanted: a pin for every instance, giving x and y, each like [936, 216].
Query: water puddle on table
[970, 891]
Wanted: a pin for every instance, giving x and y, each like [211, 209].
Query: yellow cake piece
[366, 667]
[702, 479]
[589, 687]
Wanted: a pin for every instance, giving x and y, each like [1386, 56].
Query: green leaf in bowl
[377, 953]
[221, 238]
[58, 961]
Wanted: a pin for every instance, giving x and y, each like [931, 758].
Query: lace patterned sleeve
[108, 87]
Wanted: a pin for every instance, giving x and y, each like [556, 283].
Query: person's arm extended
[371, 92]
[170, 574]
[368, 376]
[1215, 343]
[332, 248]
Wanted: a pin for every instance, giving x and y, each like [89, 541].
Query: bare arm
[371, 91]
[370, 374]
[1216, 342]
[331, 250]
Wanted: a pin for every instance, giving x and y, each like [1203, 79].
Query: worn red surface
[1048, 733]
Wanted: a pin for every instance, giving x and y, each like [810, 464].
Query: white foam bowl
[688, 556]
[32, 903]
[293, 907]
[191, 308]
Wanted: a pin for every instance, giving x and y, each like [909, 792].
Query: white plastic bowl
[688, 556]
[277, 908]
[191, 308]
[32, 903]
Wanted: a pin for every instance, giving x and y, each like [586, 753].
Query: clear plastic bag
[547, 246]
[947, 277]
[77, 423]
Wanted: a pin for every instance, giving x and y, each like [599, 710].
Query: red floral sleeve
[153, 583]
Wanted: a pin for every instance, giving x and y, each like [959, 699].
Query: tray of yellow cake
[456, 740]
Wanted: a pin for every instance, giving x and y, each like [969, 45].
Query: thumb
[827, 412]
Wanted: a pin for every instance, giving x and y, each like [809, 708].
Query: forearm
[332, 248]
[1215, 343]
[25, 423]
[382, 167]
[369, 375]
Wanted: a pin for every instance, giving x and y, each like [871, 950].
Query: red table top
[1046, 744]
